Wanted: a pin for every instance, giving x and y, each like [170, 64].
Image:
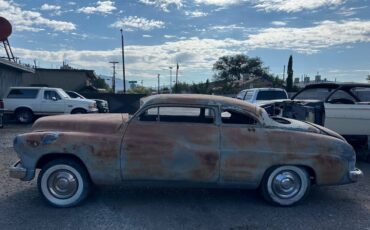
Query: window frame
[25, 98]
[242, 111]
[49, 90]
[158, 120]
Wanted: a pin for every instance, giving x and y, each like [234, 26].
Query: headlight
[92, 106]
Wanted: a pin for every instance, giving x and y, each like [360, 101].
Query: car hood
[95, 123]
[81, 100]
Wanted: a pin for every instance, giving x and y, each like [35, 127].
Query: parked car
[342, 107]
[27, 102]
[182, 140]
[102, 105]
[261, 95]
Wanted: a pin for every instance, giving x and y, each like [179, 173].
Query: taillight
[1, 104]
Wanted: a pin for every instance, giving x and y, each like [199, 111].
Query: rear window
[23, 93]
[271, 95]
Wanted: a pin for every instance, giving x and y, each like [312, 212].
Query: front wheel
[63, 183]
[286, 185]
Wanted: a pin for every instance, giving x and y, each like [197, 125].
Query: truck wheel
[24, 116]
[63, 183]
[285, 185]
[78, 111]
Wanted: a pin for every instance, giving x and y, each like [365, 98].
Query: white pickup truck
[27, 102]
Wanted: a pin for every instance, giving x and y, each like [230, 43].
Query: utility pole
[123, 62]
[284, 74]
[114, 75]
[158, 82]
[170, 78]
[177, 77]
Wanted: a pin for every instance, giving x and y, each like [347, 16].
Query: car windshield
[63, 94]
[271, 95]
[314, 94]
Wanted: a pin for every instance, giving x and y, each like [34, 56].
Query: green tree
[100, 84]
[140, 90]
[289, 80]
[368, 78]
[232, 68]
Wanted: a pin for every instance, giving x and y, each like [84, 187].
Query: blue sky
[331, 37]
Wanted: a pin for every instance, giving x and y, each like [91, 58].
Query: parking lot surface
[21, 207]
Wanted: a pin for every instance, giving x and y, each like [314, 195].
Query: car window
[271, 95]
[49, 94]
[362, 93]
[229, 116]
[179, 114]
[341, 97]
[248, 95]
[314, 94]
[23, 93]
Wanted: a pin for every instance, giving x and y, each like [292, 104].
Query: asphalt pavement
[21, 207]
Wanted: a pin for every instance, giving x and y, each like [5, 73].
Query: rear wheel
[24, 116]
[63, 183]
[285, 185]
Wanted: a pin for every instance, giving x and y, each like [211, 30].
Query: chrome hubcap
[62, 184]
[286, 184]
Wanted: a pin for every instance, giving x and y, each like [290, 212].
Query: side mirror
[54, 99]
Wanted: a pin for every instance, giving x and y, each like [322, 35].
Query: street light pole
[158, 83]
[123, 62]
[170, 79]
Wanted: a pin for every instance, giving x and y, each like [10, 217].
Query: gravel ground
[21, 207]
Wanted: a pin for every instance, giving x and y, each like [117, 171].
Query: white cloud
[147, 36]
[133, 22]
[102, 7]
[199, 54]
[219, 2]
[163, 4]
[50, 7]
[26, 20]
[169, 36]
[195, 14]
[312, 39]
[278, 23]
[294, 5]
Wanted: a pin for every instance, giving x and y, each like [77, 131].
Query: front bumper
[355, 175]
[17, 171]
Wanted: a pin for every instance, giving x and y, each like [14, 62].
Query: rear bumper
[355, 175]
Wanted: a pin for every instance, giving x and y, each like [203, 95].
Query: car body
[27, 102]
[342, 107]
[183, 140]
[102, 105]
[261, 95]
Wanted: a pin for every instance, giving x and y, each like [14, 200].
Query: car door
[52, 102]
[169, 143]
[349, 114]
[243, 148]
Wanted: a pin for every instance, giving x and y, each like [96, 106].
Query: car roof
[32, 87]
[334, 85]
[264, 89]
[197, 99]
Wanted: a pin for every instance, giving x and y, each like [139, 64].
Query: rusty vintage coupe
[178, 140]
